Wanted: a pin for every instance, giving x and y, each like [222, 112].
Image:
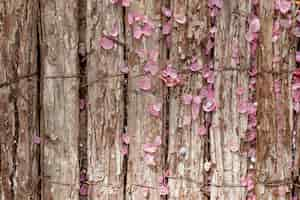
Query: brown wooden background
[57, 85]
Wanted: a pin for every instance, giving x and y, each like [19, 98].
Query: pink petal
[210, 106]
[163, 190]
[151, 67]
[285, 23]
[124, 150]
[157, 141]
[106, 43]
[194, 67]
[243, 107]
[215, 3]
[130, 18]
[167, 28]
[115, 30]
[144, 83]
[180, 19]
[126, 3]
[124, 68]
[197, 100]
[82, 104]
[125, 139]
[240, 91]
[149, 160]
[83, 191]
[284, 6]
[254, 25]
[166, 11]
[154, 109]
[36, 140]
[187, 99]
[298, 56]
[153, 55]
[137, 32]
[150, 148]
[202, 131]
[147, 29]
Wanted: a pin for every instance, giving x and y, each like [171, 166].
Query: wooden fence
[149, 99]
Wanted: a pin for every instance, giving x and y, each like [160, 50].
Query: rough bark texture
[143, 128]
[105, 103]
[18, 114]
[187, 172]
[60, 99]
[228, 125]
[273, 128]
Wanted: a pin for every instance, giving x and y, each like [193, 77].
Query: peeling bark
[228, 125]
[187, 169]
[105, 103]
[18, 114]
[60, 99]
[143, 128]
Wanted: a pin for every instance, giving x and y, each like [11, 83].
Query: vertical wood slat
[60, 99]
[284, 48]
[274, 119]
[105, 103]
[187, 168]
[143, 128]
[228, 125]
[18, 111]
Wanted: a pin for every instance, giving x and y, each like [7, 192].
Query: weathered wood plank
[229, 126]
[273, 109]
[60, 100]
[142, 127]
[105, 102]
[18, 104]
[187, 151]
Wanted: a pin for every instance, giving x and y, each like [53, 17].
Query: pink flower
[194, 66]
[137, 32]
[154, 109]
[157, 141]
[166, 11]
[254, 25]
[150, 148]
[202, 131]
[149, 159]
[283, 5]
[187, 99]
[82, 104]
[163, 190]
[124, 68]
[106, 43]
[152, 67]
[210, 105]
[240, 91]
[167, 27]
[215, 3]
[298, 56]
[170, 77]
[36, 139]
[125, 138]
[124, 150]
[145, 83]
